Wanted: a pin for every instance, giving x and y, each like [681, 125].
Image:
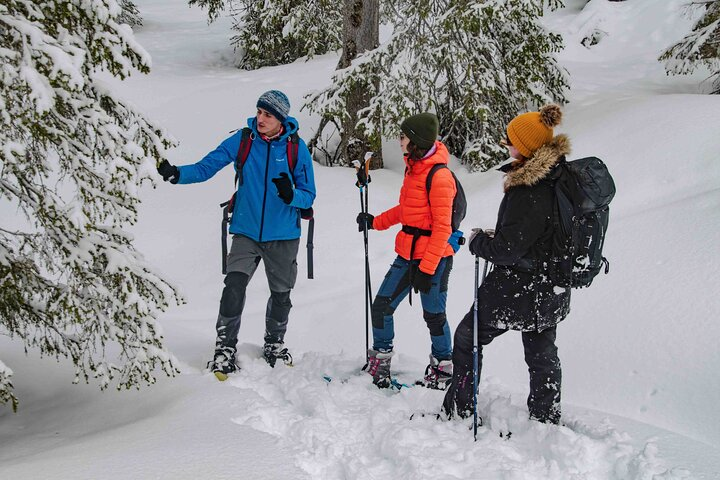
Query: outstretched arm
[212, 163]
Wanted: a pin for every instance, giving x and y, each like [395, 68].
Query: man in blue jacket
[265, 223]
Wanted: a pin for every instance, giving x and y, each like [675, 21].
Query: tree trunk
[361, 28]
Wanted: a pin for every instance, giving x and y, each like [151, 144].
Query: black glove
[362, 177]
[476, 242]
[364, 219]
[284, 187]
[422, 281]
[168, 171]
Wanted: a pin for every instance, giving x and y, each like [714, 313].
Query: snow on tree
[280, 31]
[72, 157]
[361, 30]
[130, 13]
[700, 47]
[476, 64]
[6, 387]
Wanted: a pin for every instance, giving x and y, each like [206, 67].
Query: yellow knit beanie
[530, 131]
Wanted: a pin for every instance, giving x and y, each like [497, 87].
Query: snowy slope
[639, 354]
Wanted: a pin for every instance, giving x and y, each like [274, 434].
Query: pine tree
[72, 157]
[280, 31]
[130, 13]
[214, 7]
[6, 387]
[476, 64]
[700, 47]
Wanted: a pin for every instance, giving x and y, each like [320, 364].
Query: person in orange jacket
[424, 256]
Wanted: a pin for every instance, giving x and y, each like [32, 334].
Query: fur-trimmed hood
[529, 172]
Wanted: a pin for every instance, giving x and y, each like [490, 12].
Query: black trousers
[540, 356]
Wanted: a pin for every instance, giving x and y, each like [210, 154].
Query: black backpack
[583, 191]
[459, 208]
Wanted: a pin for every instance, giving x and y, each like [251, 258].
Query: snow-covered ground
[639, 350]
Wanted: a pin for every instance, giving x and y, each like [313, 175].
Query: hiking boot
[438, 374]
[223, 363]
[272, 352]
[458, 400]
[379, 367]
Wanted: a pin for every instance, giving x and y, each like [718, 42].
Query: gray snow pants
[280, 260]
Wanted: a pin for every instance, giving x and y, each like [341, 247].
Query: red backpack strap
[293, 145]
[243, 152]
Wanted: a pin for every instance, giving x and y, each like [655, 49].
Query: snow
[639, 350]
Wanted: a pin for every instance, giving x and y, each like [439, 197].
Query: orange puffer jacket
[415, 210]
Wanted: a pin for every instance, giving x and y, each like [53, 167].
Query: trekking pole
[475, 344]
[224, 232]
[475, 340]
[362, 183]
[311, 232]
[368, 158]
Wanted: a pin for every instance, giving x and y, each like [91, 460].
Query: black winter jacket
[517, 294]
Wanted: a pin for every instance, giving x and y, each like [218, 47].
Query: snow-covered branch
[476, 64]
[72, 157]
[279, 32]
[700, 47]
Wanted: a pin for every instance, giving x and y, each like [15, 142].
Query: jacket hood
[441, 155]
[537, 167]
[290, 125]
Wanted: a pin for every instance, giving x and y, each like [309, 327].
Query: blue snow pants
[395, 288]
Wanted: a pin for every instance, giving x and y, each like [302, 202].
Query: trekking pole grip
[362, 170]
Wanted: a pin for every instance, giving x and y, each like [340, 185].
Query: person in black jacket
[517, 295]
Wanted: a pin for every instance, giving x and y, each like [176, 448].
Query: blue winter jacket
[259, 212]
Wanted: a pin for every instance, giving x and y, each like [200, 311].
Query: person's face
[514, 152]
[404, 140]
[267, 124]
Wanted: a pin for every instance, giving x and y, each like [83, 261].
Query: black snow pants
[540, 356]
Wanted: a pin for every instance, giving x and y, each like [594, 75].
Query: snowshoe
[272, 352]
[440, 417]
[223, 363]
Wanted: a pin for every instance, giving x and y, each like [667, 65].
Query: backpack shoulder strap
[246, 139]
[563, 206]
[430, 175]
[293, 145]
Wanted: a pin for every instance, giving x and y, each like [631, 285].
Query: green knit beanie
[421, 129]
